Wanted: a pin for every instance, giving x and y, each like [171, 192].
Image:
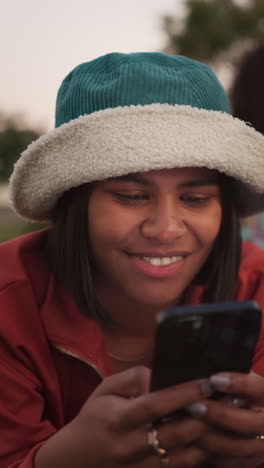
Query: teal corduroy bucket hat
[127, 113]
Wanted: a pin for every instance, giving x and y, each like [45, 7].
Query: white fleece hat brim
[114, 142]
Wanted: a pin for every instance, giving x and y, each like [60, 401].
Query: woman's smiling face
[150, 233]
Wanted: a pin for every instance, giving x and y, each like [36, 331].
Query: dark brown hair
[70, 257]
[220, 271]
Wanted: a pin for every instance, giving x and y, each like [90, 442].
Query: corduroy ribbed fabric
[117, 79]
[127, 113]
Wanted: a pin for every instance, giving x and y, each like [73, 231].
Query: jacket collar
[72, 332]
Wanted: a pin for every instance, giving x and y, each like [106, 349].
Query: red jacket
[51, 356]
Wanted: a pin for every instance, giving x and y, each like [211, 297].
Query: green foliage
[14, 139]
[12, 142]
[10, 231]
[212, 26]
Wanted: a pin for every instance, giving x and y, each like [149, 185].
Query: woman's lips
[158, 267]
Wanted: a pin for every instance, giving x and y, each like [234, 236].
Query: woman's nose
[164, 223]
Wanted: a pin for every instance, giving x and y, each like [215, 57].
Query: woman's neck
[126, 345]
[129, 317]
[128, 350]
[130, 338]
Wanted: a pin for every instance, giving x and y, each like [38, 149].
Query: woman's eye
[193, 199]
[130, 197]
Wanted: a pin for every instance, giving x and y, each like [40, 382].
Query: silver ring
[153, 442]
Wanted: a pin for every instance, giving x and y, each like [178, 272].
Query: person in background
[247, 100]
[144, 180]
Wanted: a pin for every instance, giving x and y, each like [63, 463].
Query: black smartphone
[194, 342]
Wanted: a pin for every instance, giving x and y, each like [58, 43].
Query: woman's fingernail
[220, 381]
[237, 402]
[206, 387]
[196, 409]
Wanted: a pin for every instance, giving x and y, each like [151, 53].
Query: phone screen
[195, 342]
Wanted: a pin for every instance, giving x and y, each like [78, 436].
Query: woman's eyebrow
[140, 179]
[134, 178]
[200, 183]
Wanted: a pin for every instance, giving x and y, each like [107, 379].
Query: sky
[42, 41]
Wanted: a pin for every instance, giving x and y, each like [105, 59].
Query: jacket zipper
[76, 356]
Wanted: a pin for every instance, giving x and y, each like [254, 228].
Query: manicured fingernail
[197, 409]
[220, 381]
[237, 402]
[206, 387]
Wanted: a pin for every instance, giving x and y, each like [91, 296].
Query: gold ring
[153, 441]
[260, 437]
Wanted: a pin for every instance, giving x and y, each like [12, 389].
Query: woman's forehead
[190, 173]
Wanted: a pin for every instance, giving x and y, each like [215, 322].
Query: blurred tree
[211, 27]
[13, 140]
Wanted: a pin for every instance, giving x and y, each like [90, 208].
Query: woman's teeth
[161, 260]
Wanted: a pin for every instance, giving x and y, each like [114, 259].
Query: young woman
[144, 181]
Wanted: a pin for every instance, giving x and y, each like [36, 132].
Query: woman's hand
[112, 428]
[234, 437]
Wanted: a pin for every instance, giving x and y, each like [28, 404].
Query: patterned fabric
[253, 229]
